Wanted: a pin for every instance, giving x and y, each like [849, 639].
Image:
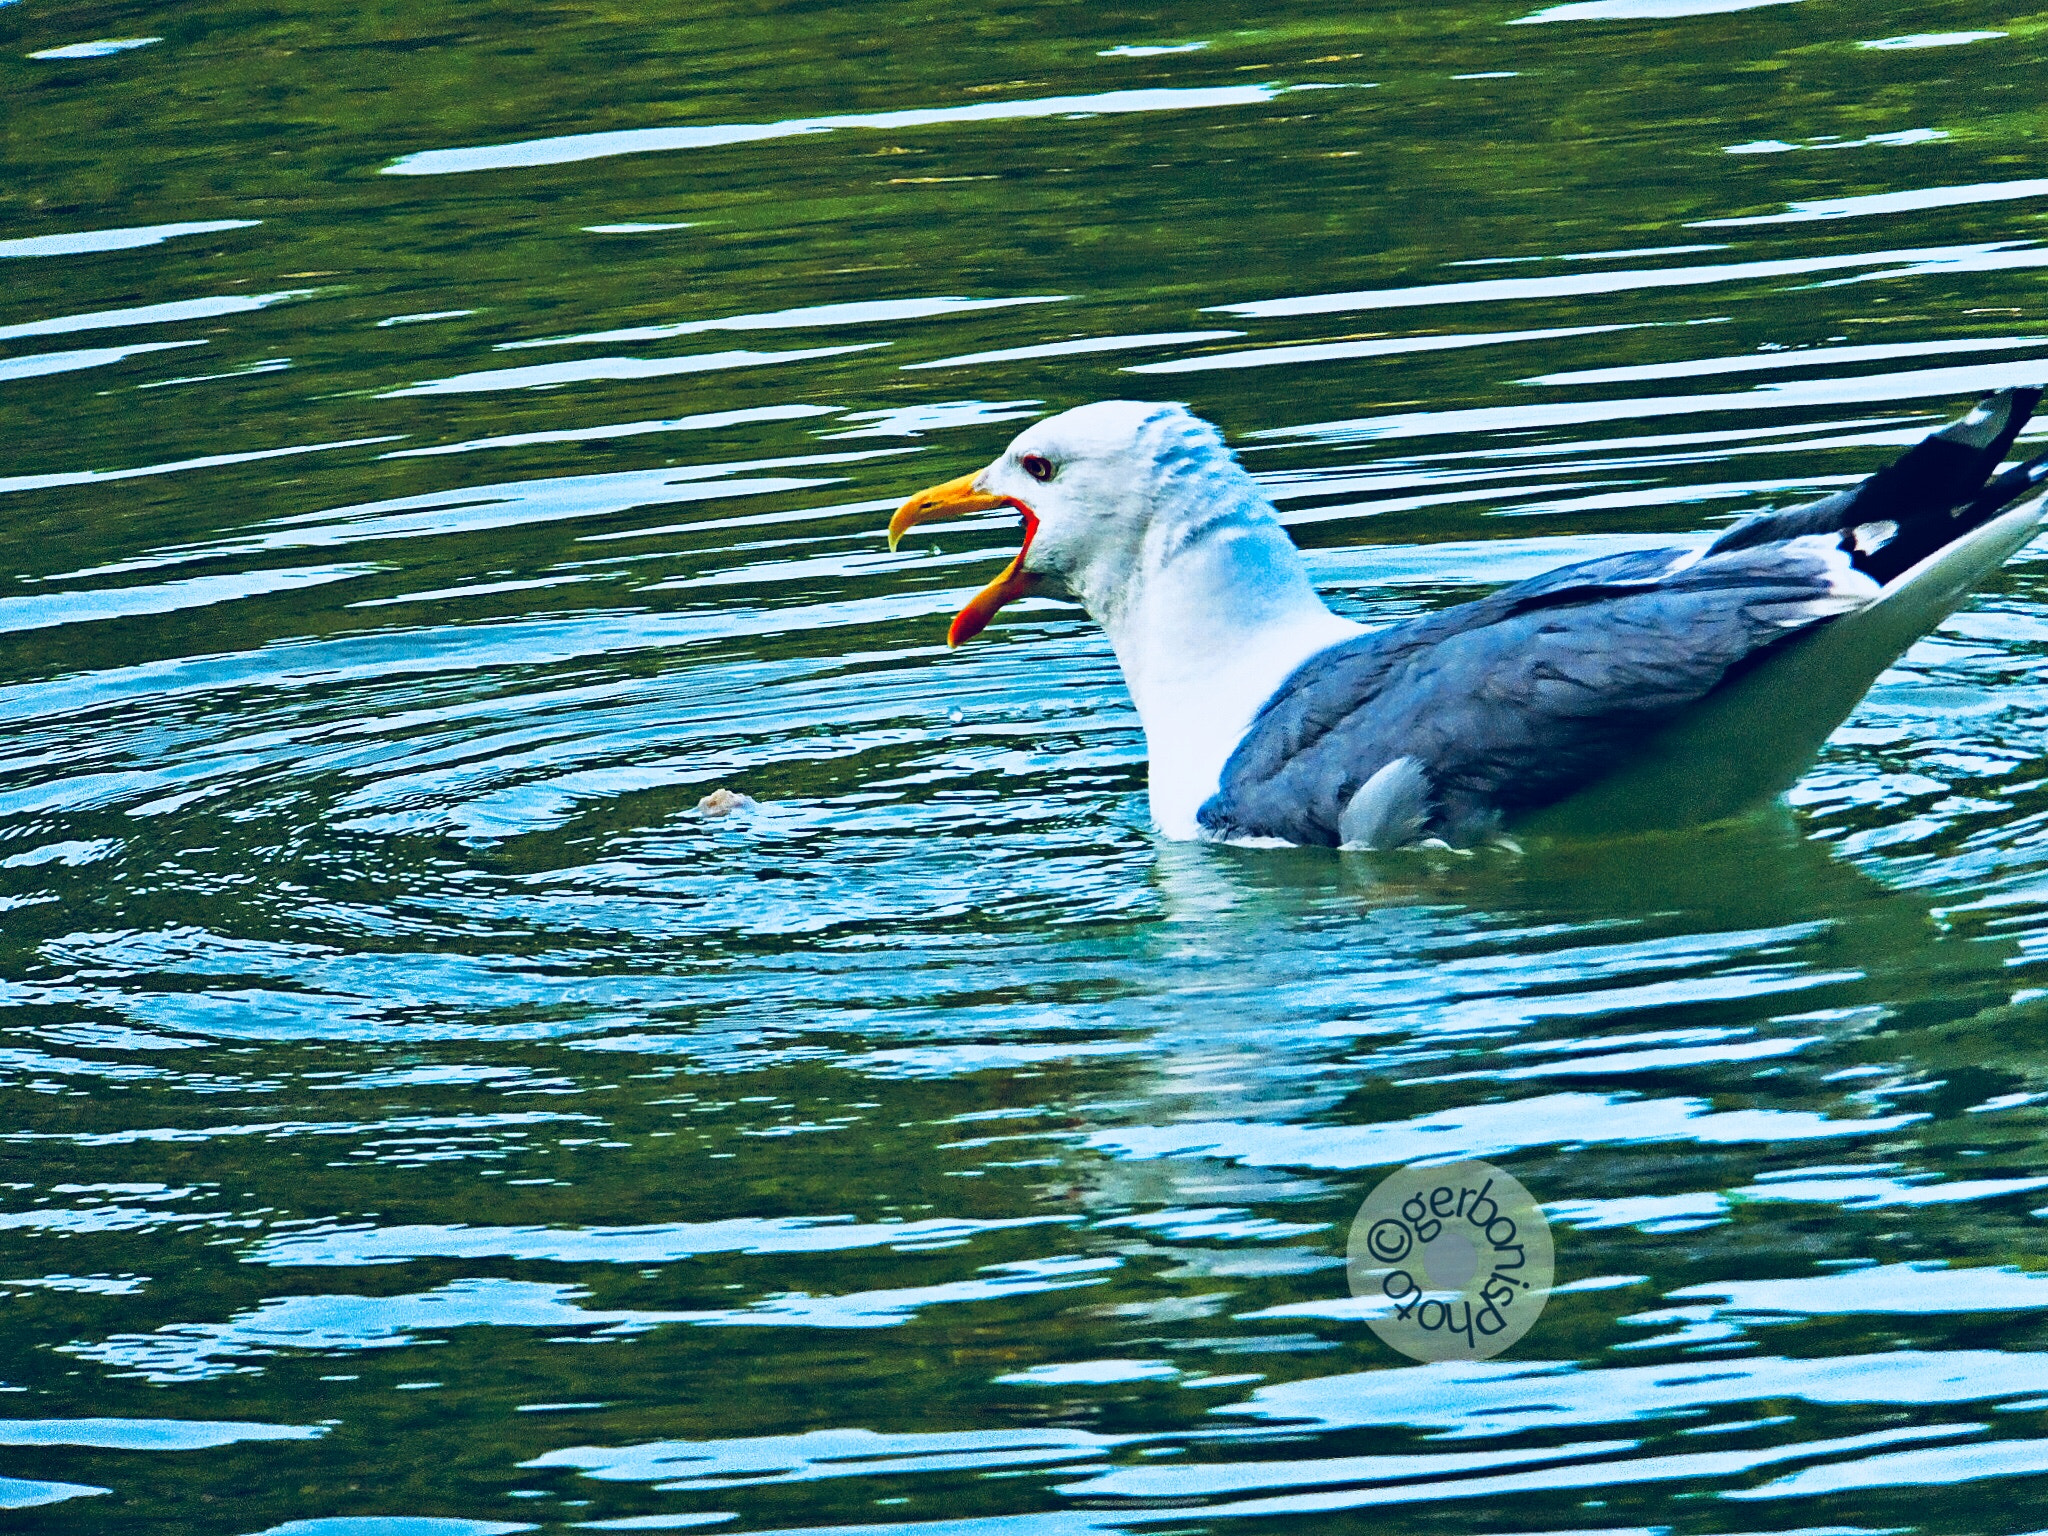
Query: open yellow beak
[960, 498]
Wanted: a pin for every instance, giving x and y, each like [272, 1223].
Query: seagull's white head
[1110, 493]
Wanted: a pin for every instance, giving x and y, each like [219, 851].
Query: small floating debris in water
[727, 802]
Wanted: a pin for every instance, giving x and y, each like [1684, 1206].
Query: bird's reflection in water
[1758, 873]
[1745, 964]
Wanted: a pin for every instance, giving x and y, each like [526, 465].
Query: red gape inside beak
[1015, 582]
[959, 498]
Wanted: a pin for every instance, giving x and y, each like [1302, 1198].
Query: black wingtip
[1884, 549]
[2005, 490]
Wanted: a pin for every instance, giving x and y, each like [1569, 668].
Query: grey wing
[1509, 706]
[1330, 685]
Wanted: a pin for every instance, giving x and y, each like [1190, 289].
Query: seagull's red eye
[1036, 466]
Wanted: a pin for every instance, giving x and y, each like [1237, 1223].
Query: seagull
[1640, 692]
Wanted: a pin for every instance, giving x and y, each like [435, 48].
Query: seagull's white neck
[1208, 622]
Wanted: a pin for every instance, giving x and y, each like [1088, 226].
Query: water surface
[444, 445]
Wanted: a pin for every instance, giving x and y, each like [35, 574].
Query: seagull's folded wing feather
[1512, 703]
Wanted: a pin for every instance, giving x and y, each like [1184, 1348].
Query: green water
[420, 1119]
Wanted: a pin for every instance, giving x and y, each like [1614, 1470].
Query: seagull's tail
[1929, 529]
[1932, 495]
